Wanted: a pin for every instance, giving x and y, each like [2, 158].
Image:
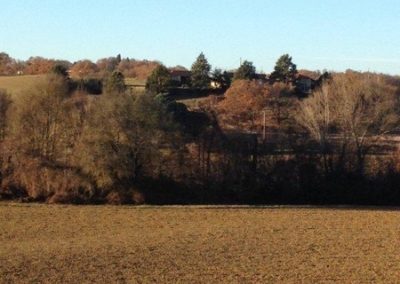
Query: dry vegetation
[69, 244]
[134, 81]
[195, 103]
[18, 84]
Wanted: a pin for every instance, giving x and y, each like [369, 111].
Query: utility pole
[264, 125]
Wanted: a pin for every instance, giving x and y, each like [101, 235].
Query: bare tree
[367, 110]
[46, 123]
[124, 138]
[349, 112]
[317, 114]
[5, 102]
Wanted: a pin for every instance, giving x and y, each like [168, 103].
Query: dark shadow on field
[272, 207]
[187, 94]
[213, 207]
[306, 207]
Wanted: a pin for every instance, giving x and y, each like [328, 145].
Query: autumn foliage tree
[39, 65]
[7, 64]
[140, 69]
[84, 69]
[243, 103]
[107, 65]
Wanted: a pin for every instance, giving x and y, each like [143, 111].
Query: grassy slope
[17, 84]
[69, 244]
[135, 81]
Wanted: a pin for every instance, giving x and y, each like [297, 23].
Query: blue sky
[335, 35]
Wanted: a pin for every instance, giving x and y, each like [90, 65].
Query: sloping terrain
[17, 84]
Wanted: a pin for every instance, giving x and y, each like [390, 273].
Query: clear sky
[335, 35]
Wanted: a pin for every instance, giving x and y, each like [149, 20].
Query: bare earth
[104, 244]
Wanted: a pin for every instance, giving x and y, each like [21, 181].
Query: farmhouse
[304, 84]
[180, 76]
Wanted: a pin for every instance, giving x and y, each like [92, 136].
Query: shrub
[138, 197]
[117, 197]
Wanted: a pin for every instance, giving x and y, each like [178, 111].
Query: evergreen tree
[223, 79]
[159, 80]
[115, 83]
[246, 71]
[285, 70]
[200, 73]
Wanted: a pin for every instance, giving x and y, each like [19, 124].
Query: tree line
[201, 75]
[81, 69]
[259, 143]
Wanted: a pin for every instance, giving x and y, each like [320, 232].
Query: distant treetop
[246, 71]
[200, 72]
[285, 70]
[159, 81]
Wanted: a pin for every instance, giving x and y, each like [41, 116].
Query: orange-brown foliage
[38, 65]
[84, 69]
[106, 66]
[137, 69]
[243, 102]
[244, 97]
[7, 64]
